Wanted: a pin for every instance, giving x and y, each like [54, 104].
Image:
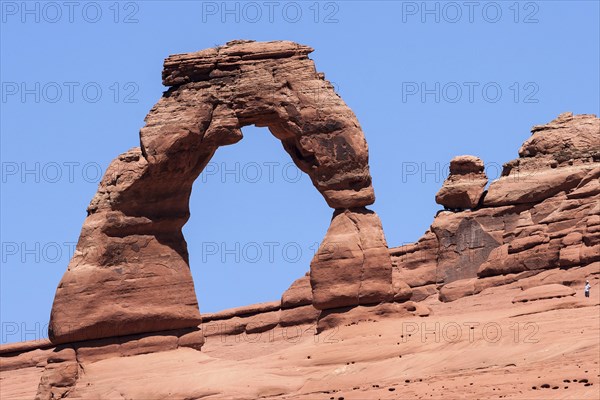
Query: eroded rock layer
[542, 213]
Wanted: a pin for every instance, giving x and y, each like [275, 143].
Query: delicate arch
[130, 271]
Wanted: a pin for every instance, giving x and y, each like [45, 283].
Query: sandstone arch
[130, 271]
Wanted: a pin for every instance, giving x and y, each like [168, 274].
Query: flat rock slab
[544, 292]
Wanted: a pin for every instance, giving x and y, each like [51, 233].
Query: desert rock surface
[481, 346]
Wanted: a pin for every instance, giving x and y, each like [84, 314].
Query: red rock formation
[59, 376]
[130, 271]
[352, 265]
[543, 213]
[465, 184]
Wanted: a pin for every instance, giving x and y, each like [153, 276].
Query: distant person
[587, 288]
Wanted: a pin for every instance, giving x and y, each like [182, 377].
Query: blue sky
[427, 81]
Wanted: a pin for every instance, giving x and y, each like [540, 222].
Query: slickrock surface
[476, 347]
[130, 271]
[544, 292]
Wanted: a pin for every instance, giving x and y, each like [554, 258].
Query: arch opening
[266, 226]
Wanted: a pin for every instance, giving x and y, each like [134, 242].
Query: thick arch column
[130, 271]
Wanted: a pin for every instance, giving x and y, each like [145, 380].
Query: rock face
[465, 184]
[352, 265]
[59, 376]
[542, 213]
[130, 271]
[566, 140]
